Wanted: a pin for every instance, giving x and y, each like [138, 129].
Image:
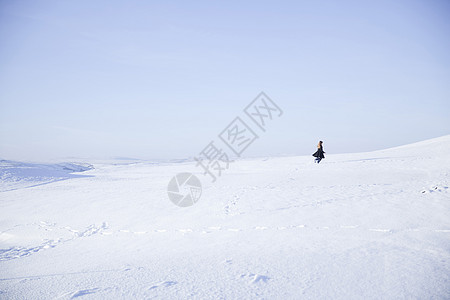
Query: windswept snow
[356, 226]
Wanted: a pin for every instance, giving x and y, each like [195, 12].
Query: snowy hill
[428, 148]
[14, 175]
[356, 226]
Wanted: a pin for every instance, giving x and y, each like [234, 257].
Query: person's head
[320, 142]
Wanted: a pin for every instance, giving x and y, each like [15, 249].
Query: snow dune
[357, 226]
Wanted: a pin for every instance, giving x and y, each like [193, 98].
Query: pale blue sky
[159, 79]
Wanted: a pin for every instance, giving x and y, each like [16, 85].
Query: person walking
[319, 153]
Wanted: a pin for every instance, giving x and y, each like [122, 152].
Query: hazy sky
[161, 79]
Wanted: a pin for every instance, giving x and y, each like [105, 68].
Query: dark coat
[319, 153]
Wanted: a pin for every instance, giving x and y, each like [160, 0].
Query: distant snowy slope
[436, 146]
[15, 174]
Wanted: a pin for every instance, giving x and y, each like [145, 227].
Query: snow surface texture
[356, 226]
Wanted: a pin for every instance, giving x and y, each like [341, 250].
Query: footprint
[84, 292]
[163, 284]
[255, 278]
[260, 278]
[93, 229]
[435, 188]
[18, 252]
